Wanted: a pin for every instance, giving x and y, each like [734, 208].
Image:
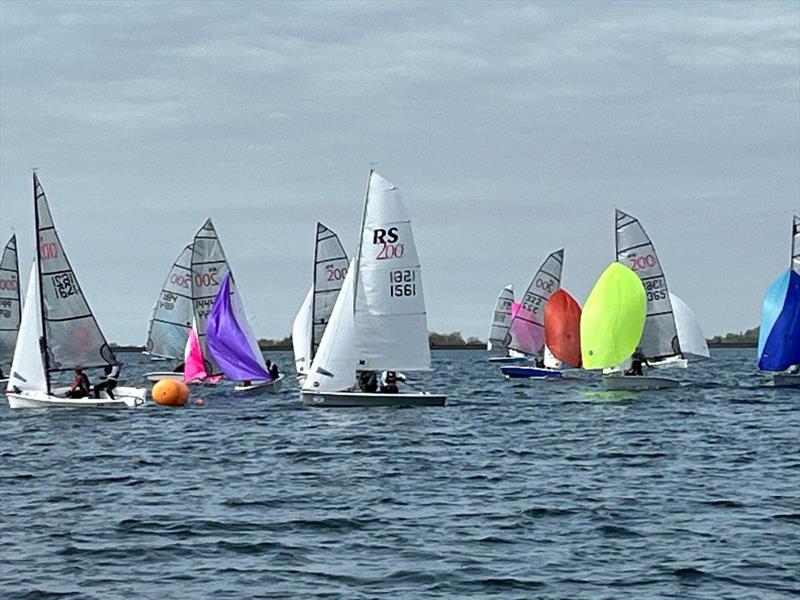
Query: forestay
[27, 368]
[636, 251]
[172, 313]
[390, 320]
[231, 339]
[10, 305]
[72, 334]
[501, 318]
[526, 329]
[209, 268]
[693, 342]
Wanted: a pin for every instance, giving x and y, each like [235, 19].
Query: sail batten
[72, 336]
[636, 251]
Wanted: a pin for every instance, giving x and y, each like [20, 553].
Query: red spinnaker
[562, 327]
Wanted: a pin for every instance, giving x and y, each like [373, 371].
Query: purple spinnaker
[228, 339]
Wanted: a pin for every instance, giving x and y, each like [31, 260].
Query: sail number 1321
[402, 282]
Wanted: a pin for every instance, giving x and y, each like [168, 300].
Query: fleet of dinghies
[364, 320]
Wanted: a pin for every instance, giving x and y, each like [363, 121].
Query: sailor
[273, 370]
[111, 376]
[368, 382]
[389, 381]
[80, 385]
[637, 359]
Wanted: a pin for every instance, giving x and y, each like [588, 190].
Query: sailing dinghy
[659, 343]
[10, 306]
[612, 322]
[779, 336]
[379, 321]
[58, 331]
[172, 317]
[497, 344]
[330, 269]
[526, 329]
[233, 344]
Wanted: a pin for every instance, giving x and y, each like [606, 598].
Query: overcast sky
[511, 129]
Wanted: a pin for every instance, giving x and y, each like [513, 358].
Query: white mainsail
[209, 267]
[693, 342]
[501, 318]
[379, 320]
[72, 336]
[526, 329]
[635, 250]
[172, 313]
[391, 322]
[301, 334]
[10, 305]
[27, 368]
[796, 244]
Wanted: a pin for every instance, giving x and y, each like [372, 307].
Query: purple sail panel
[228, 342]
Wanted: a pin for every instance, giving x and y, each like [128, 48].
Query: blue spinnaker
[779, 338]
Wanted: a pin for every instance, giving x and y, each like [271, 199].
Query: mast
[361, 239]
[43, 338]
[311, 348]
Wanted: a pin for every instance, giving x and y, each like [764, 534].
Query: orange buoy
[169, 392]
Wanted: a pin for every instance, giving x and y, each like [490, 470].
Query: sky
[512, 129]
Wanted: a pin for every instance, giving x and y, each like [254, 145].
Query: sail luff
[361, 237]
[796, 244]
[527, 325]
[636, 251]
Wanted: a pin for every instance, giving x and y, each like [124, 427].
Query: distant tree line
[743, 338]
[437, 340]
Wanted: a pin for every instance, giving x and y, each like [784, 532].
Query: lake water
[514, 490]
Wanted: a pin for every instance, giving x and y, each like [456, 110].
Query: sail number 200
[402, 282]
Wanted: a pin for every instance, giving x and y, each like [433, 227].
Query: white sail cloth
[172, 313]
[379, 320]
[693, 342]
[635, 250]
[501, 318]
[10, 305]
[301, 334]
[27, 367]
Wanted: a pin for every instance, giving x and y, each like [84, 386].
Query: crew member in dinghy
[110, 378]
[637, 359]
[368, 381]
[80, 385]
[389, 380]
[272, 367]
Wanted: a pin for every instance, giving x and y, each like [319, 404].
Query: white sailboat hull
[364, 399]
[638, 383]
[159, 375]
[786, 380]
[269, 387]
[676, 362]
[124, 397]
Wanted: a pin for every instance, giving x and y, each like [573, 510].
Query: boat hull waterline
[530, 373]
[786, 380]
[364, 399]
[124, 397]
[270, 387]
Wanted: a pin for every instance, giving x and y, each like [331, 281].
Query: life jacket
[391, 378]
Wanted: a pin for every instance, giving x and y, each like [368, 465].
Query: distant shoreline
[128, 348]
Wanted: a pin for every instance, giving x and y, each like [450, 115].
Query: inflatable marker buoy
[169, 392]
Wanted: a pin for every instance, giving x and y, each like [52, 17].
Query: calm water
[515, 490]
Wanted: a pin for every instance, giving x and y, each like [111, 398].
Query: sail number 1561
[402, 282]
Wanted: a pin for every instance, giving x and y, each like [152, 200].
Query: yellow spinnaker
[613, 318]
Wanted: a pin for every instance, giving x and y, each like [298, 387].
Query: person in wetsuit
[80, 385]
[637, 359]
[111, 375]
